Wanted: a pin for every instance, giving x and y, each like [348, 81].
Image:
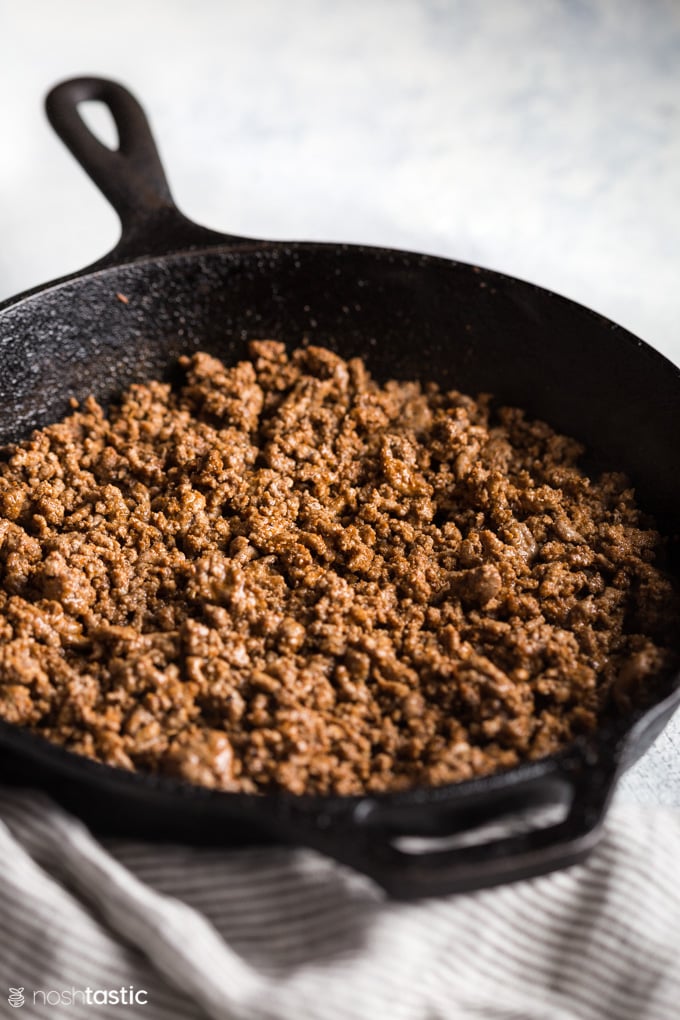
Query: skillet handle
[371, 838]
[131, 176]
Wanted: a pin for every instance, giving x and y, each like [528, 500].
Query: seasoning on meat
[282, 575]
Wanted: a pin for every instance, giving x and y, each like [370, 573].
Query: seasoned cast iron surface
[405, 314]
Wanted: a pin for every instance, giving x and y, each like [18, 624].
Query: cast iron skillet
[408, 315]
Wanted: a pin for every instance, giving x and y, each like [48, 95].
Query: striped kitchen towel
[122, 929]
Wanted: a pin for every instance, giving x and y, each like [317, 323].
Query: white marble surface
[537, 137]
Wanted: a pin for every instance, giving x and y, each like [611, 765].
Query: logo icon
[16, 997]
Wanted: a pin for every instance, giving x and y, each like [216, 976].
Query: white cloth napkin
[284, 934]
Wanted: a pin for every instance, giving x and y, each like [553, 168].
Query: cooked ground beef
[284, 575]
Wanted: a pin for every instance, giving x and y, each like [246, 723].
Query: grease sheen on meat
[282, 574]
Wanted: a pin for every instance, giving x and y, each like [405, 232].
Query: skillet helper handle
[371, 838]
[132, 176]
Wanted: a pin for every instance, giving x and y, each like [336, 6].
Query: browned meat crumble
[284, 575]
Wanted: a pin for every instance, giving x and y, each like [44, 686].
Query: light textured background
[539, 137]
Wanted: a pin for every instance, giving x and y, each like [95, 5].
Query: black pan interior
[408, 315]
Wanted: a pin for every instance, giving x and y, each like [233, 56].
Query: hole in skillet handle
[131, 176]
[524, 823]
[99, 120]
